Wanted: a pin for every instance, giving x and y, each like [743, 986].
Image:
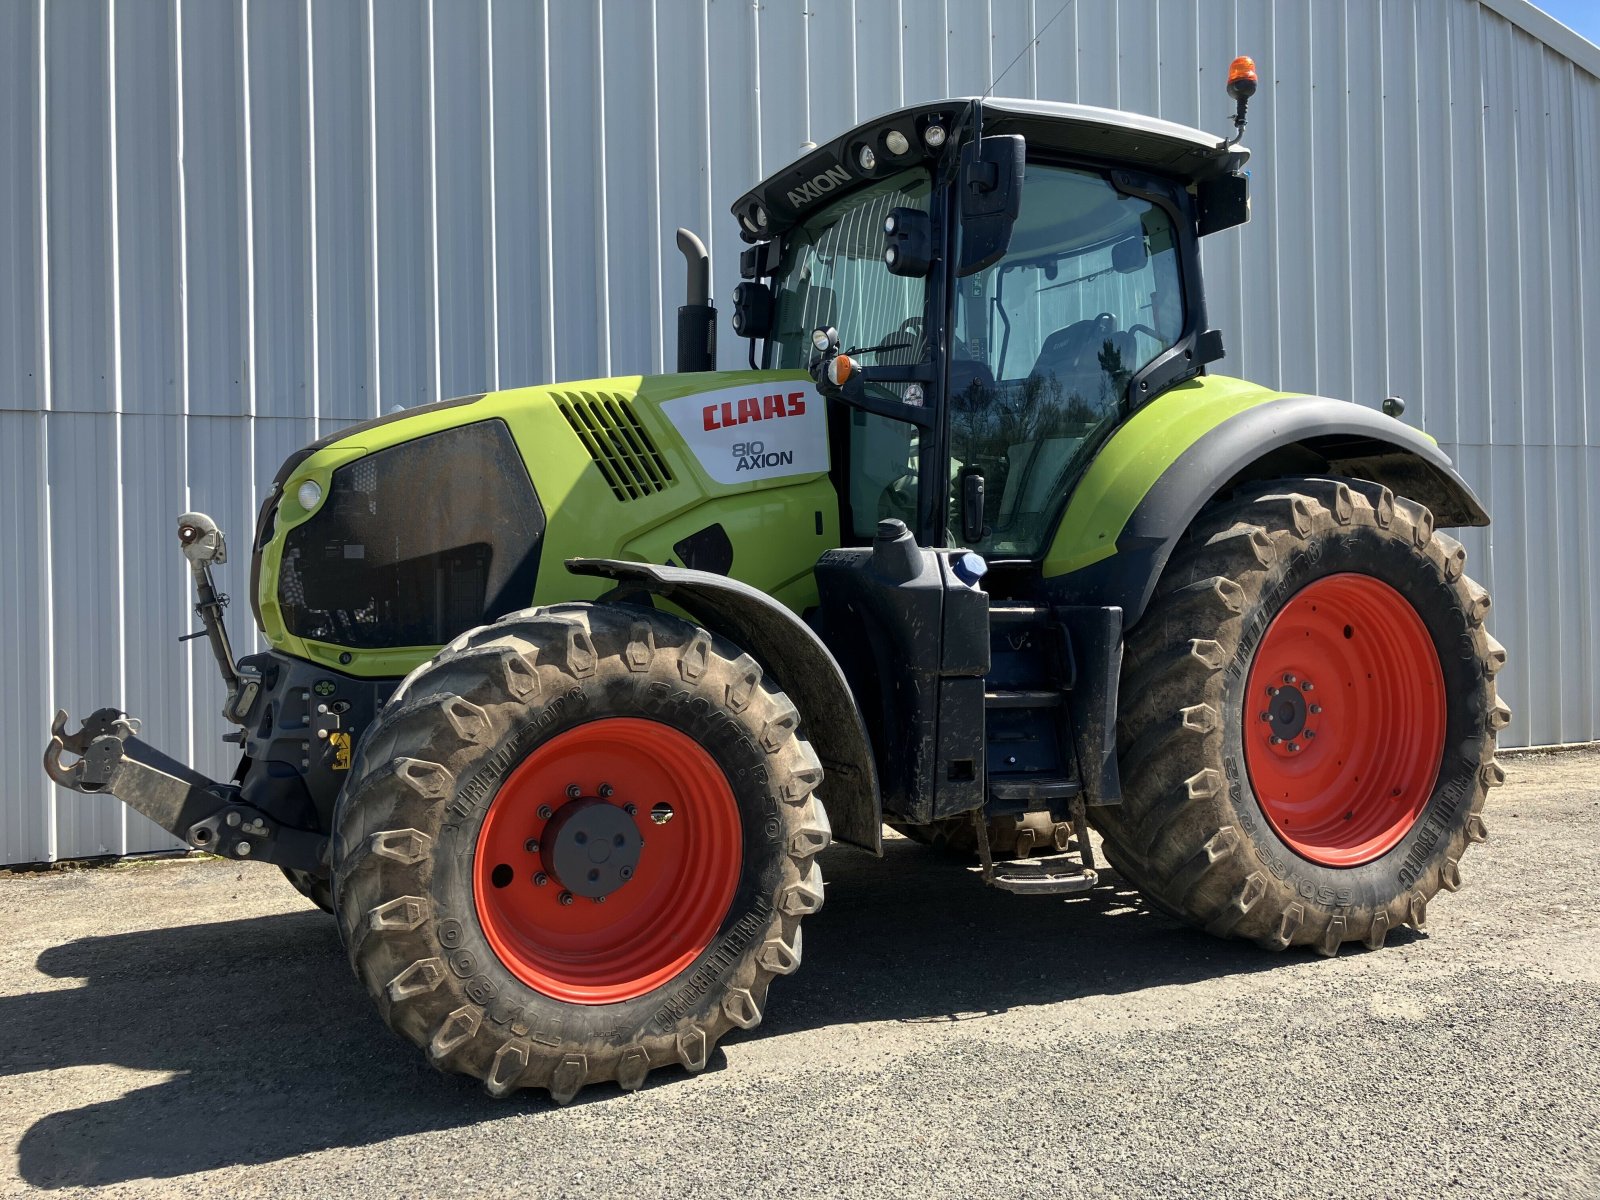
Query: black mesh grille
[416, 543]
[611, 433]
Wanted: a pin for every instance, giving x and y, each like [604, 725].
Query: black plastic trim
[292, 463]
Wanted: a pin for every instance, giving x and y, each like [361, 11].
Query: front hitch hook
[89, 773]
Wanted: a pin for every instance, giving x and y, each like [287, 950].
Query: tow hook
[205, 814]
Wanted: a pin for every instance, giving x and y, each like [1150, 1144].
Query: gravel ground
[192, 1028]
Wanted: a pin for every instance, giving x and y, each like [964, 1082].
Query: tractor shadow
[271, 1049]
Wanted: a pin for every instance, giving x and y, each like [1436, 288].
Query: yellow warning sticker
[341, 750]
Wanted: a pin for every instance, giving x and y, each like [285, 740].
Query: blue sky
[1580, 16]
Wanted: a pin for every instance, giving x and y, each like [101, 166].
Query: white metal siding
[226, 229]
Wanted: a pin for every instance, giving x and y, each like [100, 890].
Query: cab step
[1033, 787]
[1023, 698]
[1002, 612]
[1057, 875]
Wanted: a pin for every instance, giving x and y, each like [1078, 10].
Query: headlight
[867, 158]
[896, 142]
[309, 494]
[934, 136]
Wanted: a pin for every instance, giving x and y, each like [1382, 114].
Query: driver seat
[1072, 355]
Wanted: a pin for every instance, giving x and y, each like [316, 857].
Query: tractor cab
[987, 288]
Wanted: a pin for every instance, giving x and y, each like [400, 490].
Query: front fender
[1210, 435]
[803, 667]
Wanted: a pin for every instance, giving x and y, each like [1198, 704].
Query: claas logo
[753, 408]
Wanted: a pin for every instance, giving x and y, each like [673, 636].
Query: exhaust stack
[697, 318]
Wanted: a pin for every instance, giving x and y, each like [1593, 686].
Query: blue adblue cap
[969, 568]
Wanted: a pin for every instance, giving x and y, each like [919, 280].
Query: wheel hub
[1290, 714]
[591, 847]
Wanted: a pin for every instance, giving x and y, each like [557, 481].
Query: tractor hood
[383, 541]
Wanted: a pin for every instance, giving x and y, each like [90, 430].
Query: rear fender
[1120, 529]
[802, 666]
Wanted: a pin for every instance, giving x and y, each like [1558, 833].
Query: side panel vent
[612, 434]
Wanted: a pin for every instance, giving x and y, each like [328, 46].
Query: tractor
[567, 687]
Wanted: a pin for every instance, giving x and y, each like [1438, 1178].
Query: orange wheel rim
[1344, 720]
[560, 826]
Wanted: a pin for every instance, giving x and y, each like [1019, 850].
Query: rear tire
[470, 957]
[1286, 867]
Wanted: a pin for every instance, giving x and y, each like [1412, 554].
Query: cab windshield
[1046, 340]
[832, 274]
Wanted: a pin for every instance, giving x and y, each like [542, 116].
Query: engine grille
[617, 442]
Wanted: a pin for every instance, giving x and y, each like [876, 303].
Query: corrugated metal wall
[227, 228]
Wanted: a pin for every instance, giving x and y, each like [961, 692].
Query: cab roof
[1179, 152]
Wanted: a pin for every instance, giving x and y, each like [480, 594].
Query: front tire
[1310, 721]
[577, 846]
[315, 888]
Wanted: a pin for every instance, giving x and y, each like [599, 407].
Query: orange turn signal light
[840, 370]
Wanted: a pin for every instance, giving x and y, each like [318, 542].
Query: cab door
[1046, 341]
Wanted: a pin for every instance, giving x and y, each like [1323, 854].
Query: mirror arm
[854, 392]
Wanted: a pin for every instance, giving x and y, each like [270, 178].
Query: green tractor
[568, 686]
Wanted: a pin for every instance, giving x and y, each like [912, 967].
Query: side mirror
[752, 310]
[990, 199]
[908, 242]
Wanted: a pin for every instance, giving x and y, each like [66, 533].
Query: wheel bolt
[1316, 710]
[1272, 691]
[606, 791]
[540, 879]
[573, 791]
[1275, 740]
[566, 898]
[1309, 734]
[1266, 716]
[531, 845]
[1287, 678]
[599, 899]
[631, 809]
[1294, 747]
[626, 872]
[545, 812]
[1306, 686]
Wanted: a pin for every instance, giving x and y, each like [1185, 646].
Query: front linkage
[205, 814]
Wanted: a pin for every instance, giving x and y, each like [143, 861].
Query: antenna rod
[996, 80]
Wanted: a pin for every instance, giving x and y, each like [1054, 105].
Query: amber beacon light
[1242, 78]
[1241, 86]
